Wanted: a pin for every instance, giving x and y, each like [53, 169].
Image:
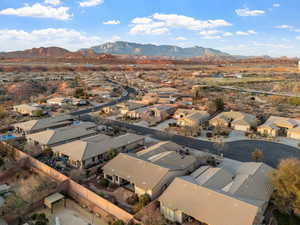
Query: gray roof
[46, 123]
[147, 172]
[56, 136]
[222, 195]
[96, 145]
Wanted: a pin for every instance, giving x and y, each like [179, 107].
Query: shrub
[132, 200]
[118, 222]
[38, 113]
[103, 182]
[294, 101]
[144, 199]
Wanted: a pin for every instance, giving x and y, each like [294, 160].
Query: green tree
[118, 222]
[38, 113]
[294, 101]
[257, 155]
[216, 105]
[286, 184]
[77, 81]
[112, 153]
[79, 92]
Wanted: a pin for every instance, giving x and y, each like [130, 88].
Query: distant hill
[36, 52]
[128, 48]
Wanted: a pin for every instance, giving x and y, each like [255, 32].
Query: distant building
[27, 109]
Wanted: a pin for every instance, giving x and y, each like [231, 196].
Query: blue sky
[251, 27]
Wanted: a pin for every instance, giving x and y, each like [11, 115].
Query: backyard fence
[79, 193]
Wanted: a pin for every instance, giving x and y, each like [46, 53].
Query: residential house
[150, 99]
[158, 113]
[152, 170]
[91, 151]
[191, 118]
[234, 193]
[54, 137]
[33, 126]
[281, 126]
[27, 109]
[125, 107]
[138, 113]
[58, 101]
[236, 120]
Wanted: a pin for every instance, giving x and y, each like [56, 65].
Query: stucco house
[27, 109]
[125, 107]
[191, 118]
[281, 126]
[53, 137]
[58, 101]
[152, 170]
[91, 151]
[33, 126]
[160, 112]
[234, 193]
[236, 120]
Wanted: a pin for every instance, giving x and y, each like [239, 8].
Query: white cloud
[39, 11]
[180, 21]
[52, 2]
[11, 40]
[162, 23]
[284, 27]
[288, 27]
[112, 22]
[141, 20]
[209, 32]
[181, 39]
[298, 38]
[152, 28]
[276, 5]
[91, 3]
[227, 34]
[214, 34]
[248, 12]
[246, 33]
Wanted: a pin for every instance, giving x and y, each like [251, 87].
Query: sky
[239, 27]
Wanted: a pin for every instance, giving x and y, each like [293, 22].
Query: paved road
[252, 91]
[238, 150]
[125, 96]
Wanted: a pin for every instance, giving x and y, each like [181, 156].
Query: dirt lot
[73, 214]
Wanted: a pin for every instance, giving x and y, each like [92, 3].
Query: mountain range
[128, 48]
[121, 49]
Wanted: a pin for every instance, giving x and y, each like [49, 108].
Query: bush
[294, 101]
[144, 199]
[40, 219]
[118, 222]
[132, 200]
[38, 113]
[103, 182]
